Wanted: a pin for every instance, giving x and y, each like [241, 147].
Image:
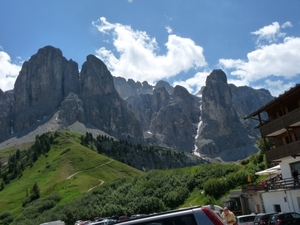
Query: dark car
[285, 218]
[263, 218]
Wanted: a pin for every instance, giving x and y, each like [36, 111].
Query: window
[295, 166]
[277, 208]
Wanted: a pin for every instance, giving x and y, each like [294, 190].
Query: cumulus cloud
[195, 82]
[270, 33]
[275, 59]
[8, 72]
[138, 55]
[278, 86]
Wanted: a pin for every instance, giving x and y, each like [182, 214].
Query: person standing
[228, 216]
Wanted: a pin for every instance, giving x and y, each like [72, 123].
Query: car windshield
[246, 219]
[295, 215]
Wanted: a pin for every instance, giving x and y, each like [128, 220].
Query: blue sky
[256, 43]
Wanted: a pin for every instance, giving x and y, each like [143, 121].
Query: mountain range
[51, 93]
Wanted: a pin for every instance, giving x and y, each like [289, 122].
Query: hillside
[69, 169]
[76, 182]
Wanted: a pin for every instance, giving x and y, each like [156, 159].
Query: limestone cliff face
[103, 106]
[140, 105]
[6, 105]
[42, 84]
[50, 84]
[130, 88]
[245, 100]
[168, 119]
[221, 130]
[174, 125]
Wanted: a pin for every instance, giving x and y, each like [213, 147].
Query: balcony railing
[291, 149]
[288, 183]
[280, 123]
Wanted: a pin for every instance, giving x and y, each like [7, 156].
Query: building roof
[275, 100]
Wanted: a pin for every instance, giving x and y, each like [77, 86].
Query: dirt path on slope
[101, 182]
[88, 169]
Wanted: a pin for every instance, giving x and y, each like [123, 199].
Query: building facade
[279, 122]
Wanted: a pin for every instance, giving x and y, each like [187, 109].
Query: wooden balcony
[291, 149]
[270, 128]
[271, 185]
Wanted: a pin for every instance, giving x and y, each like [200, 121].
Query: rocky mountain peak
[216, 76]
[95, 78]
[103, 106]
[164, 84]
[180, 92]
[42, 84]
[221, 132]
[131, 88]
[49, 84]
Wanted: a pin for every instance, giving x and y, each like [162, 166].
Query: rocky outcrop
[166, 85]
[71, 110]
[102, 104]
[140, 105]
[131, 88]
[245, 100]
[43, 82]
[6, 104]
[221, 133]
[168, 119]
[50, 84]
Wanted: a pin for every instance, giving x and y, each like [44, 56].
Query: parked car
[103, 222]
[263, 218]
[284, 218]
[187, 216]
[137, 215]
[245, 219]
[58, 222]
[123, 218]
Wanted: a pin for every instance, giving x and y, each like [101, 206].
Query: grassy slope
[52, 173]
[5, 153]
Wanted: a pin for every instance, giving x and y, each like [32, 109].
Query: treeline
[124, 151]
[18, 161]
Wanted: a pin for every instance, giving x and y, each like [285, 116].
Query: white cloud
[8, 72]
[286, 24]
[270, 33]
[169, 29]
[276, 59]
[139, 57]
[193, 83]
[278, 87]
